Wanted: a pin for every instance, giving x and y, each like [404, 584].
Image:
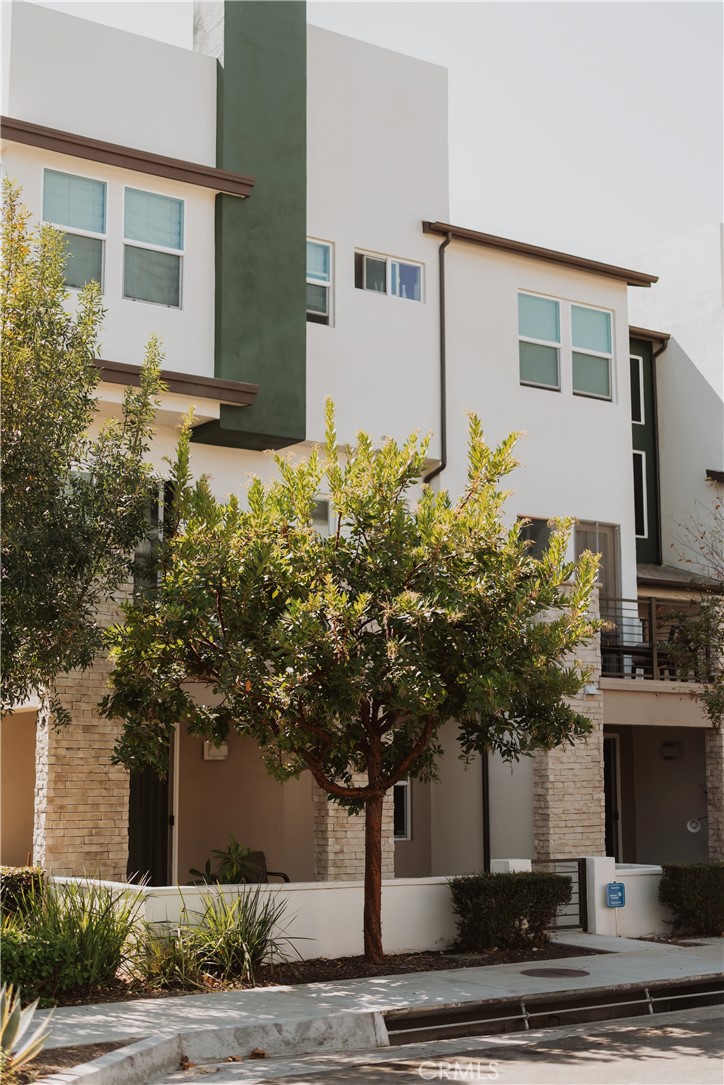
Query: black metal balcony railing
[647, 638]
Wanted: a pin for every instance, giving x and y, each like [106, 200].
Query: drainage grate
[554, 972]
[551, 1011]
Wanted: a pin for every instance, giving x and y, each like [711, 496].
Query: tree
[345, 655]
[73, 507]
[699, 650]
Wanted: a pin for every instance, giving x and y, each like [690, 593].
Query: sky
[591, 127]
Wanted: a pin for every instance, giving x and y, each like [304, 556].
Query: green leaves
[73, 507]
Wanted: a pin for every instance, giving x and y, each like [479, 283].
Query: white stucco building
[196, 199]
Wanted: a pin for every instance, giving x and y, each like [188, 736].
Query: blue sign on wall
[615, 894]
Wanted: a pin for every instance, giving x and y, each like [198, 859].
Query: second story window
[319, 282]
[385, 275]
[153, 248]
[539, 341]
[592, 352]
[78, 204]
[538, 533]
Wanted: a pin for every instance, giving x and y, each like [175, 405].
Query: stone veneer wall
[339, 840]
[714, 746]
[568, 792]
[81, 800]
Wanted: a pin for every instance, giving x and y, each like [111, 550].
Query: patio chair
[257, 859]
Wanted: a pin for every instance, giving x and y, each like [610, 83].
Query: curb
[154, 1055]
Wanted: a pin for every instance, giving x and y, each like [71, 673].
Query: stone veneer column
[714, 747]
[81, 800]
[568, 792]
[339, 840]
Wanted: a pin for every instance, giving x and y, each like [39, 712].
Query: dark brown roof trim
[128, 158]
[714, 475]
[689, 586]
[185, 384]
[646, 333]
[519, 248]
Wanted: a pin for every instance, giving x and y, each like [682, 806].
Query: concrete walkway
[622, 961]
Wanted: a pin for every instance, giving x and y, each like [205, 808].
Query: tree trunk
[373, 879]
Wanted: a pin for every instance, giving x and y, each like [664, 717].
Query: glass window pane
[591, 376]
[84, 261]
[538, 364]
[74, 201]
[400, 809]
[152, 276]
[538, 318]
[157, 220]
[591, 329]
[375, 274]
[317, 261]
[639, 499]
[537, 532]
[406, 280]
[317, 298]
[320, 518]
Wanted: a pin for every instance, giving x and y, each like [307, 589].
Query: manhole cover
[554, 972]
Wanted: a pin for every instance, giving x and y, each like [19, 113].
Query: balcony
[646, 638]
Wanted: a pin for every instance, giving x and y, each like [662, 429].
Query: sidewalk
[347, 1015]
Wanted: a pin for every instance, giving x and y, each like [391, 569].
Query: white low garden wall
[326, 917]
[641, 915]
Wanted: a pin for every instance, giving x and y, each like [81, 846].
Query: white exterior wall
[687, 302]
[377, 166]
[95, 81]
[576, 453]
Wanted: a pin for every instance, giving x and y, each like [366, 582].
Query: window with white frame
[591, 352]
[402, 810]
[641, 528]
[638, 414]
[78, 205]
[319, 282]
[153, 233]
[388, 275]
[539, 341]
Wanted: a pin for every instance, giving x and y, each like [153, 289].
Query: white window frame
[407, 785]
[644, 494]
[388, 262]
[328, 285]
[592, 353]
[103, 238]
[542, 342]
[642, 399]
[132, 243]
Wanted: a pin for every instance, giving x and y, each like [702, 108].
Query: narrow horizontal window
[383, 275]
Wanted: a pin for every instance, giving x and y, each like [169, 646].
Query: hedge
[18, 884]
[512, 910]
[695, 894]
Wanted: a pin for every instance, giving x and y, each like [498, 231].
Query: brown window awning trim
[185, 384]
[128, 158]
[650, 336]
[519, 248]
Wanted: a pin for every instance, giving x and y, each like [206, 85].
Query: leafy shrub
[17, 883]
[695, 894]
[232, 938]
[69, 940]
[235, 866]
[512, 911]
[17, 1049]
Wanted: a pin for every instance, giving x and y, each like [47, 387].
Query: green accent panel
[644, 440]
[232, 431]
[261, 242]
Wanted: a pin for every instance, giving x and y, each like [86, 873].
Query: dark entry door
[610, 785]
[149, 824]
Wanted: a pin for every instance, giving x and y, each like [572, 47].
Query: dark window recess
[636, 391]
[639, 496]
[359, 271]
[400, 794]
[536, 532]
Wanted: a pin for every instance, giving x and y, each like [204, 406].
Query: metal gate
[574, 915]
